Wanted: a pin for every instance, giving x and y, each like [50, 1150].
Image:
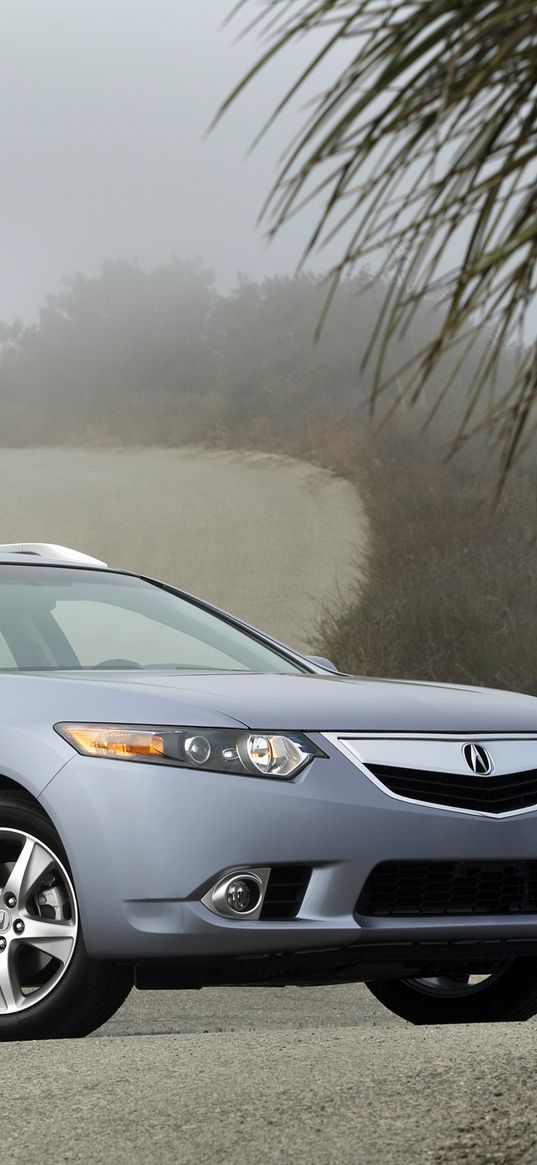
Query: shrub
[449, 589]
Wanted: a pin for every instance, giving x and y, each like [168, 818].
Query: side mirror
[322, 662]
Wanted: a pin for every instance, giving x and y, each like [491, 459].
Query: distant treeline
[158, 357]
[135, 358]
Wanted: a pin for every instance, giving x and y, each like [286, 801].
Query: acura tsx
[186, 802]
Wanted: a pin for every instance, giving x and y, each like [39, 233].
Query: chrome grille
[492, 794]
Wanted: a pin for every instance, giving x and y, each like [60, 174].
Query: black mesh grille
[489, 794]
[285, 891]
[433, 888]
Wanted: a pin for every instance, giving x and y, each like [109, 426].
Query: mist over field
[159, 359]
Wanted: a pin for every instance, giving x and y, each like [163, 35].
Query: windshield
[60, 618]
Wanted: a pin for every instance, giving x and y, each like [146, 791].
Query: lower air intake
[285, 892]
[410, 889]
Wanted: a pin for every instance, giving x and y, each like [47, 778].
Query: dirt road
[265, 537]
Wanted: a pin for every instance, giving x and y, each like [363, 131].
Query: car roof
[47, 554]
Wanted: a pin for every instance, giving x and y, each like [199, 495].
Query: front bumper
[146, 842]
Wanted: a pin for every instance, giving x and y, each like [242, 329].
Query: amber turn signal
[109, 740]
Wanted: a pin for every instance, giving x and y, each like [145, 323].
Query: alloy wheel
[38, 920]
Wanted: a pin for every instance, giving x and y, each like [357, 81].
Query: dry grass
[450, 589]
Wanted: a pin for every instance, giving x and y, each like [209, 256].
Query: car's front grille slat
[491, 794]
[406, 888]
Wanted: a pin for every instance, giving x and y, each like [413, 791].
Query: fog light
[240, 897]
[239, 894]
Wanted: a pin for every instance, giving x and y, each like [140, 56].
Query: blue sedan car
[186, 802]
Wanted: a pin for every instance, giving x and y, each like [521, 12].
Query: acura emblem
[477, 759]
[5, 919]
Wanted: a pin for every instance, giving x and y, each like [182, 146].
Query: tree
[422, 147]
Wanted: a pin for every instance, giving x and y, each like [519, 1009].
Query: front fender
[32, 759]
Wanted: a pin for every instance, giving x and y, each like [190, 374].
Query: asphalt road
[311, 1076]
[267, 538]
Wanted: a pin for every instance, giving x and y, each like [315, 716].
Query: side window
[6, 656]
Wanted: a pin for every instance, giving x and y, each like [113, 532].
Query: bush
[449, 590]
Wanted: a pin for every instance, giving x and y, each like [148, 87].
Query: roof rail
[49, 550]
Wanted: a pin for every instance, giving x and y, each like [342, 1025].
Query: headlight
[226, 750]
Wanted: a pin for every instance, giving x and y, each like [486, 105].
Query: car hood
[270, 702]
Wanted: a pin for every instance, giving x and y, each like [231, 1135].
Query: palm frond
[424, 143]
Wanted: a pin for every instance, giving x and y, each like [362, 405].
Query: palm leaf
[426, 137]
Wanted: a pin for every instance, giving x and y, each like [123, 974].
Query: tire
[49, 987]
[508, 992]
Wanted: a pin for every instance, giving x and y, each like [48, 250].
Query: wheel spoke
[39, 920]
[29, 867]
[10, 993]
[53, 938]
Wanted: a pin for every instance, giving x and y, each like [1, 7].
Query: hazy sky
[105, 104]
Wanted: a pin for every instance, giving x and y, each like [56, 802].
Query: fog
[105, 108]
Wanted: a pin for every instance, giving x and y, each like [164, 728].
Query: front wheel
[49, 988]
[506, 991]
